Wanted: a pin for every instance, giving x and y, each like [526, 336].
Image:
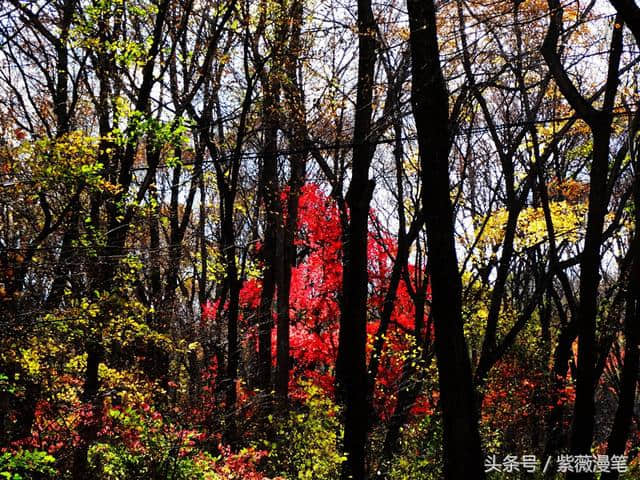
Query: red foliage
[316, 283]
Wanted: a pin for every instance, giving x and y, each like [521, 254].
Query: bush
[26, 464]
[308, 442]
[420, 454]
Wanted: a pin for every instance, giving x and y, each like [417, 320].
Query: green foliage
[128, 53]
[139, 444]
[143, 447]
[69, 160]
[26, 464]
[138, 124]
[420, 454]
[307, 448]
[6, 385]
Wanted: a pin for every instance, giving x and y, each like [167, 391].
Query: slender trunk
[89, 428]
[599, 122]
[630, 13]
[273, 214]
[584, 413]
[64, 262]
[410, 383]
[555, 439]
[293, 93]
[265, 315]
[624, 414]
[627, 395]
[429, 98]
[351, 367]
[284, 291]
[61, 95]
[204, 251]
[233, 352]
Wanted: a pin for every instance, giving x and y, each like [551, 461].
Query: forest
[319, 240]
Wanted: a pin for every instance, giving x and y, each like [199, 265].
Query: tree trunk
[429, 98]
[411, 381]
[599, 122]
[351, 365]
[233, 352]
[294, 95]
[627, 395]
[273, 214]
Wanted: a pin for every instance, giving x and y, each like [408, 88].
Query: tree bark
[429, 98]
[294, 96]
[351, 365]
[599, 122]
[270, 194]
[624, 414]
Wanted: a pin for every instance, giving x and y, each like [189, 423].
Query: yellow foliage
[65, 160]
[567, 218]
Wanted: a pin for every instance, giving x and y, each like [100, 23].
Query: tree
[351, 365]
[429, 98]
[599, 122]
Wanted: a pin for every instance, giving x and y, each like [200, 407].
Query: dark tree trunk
[629, 382]
[410, 383]
[555, 438]
[233, 352]
[270, 193]
[400, 263]
[265, 313]
[584, 413]
[429, 98]
[227, 183]
[202, 239]
[624, 414]
[294, 95]
[88, 430]
[351, 367]
[599, 122]
[630, 13]
[64, 262]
